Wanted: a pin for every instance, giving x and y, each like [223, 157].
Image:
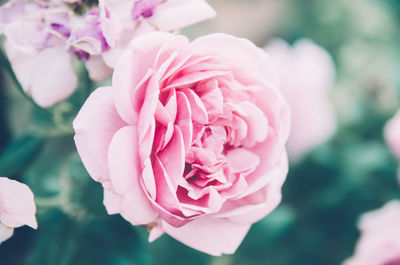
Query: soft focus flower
[123, 20]
[17, 207]
[380, 237]
[42, 38]
[306, 73]
[392, 134]
[189, 140]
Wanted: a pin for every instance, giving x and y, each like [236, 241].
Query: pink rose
[17, 207]
[379, 243]
[392, 134]
[306, 72]
[123, 20]
[189, 140]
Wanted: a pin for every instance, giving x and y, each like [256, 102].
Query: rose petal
[94, 126]
[240, 159]
[176, 14]
[257, 124]
[5, 232]
[214, 236]
[172, 157]
[257, 63]
[184, 119]
[133, 67]
[123, 159]
[136, 208]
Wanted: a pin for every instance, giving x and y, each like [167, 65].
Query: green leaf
[19, 153]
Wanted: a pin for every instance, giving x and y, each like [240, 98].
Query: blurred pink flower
[189, 140]
[123, 20]
[392, 134]
[42, 38]
[379, 243]
[17, 207]
[306, 73]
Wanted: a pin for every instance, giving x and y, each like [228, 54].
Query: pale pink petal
[257, 124]
[47, 76]
[136, 208]
[117, 25]
[257, 205]
[379, 242]
[311, 70]
[112, 201]
[184, 119]
[199, 112]
[155, 232]
[247, 60]
[240, 159]
[176, 14]
[392, 134]
[5, 232]
[97, 68]
[123, 159]
[172, 157]
[95, 126]
[269, 169]
[132, 68]
[214, 236]
[17, 206]
[125, 174]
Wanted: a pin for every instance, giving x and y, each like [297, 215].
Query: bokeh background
[324, 194]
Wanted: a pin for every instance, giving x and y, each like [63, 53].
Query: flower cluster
[43, 36]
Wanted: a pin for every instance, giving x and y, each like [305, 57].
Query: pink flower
[189, 140]
[17, 207]
[36, 53]
[41, 41]
[306, 74]
[123, 20]
[379, 243]
[392, 134]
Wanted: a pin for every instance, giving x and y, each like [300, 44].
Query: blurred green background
[323, 197]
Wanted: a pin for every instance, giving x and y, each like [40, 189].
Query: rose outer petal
[125, 174]
[214, 236]
[176, 14]
[95, 126]
[240, 52]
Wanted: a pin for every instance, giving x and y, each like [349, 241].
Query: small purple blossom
[145, 8]
[62, 29]
[86, 34]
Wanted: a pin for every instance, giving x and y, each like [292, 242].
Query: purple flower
[41, 40]
[145, 8]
